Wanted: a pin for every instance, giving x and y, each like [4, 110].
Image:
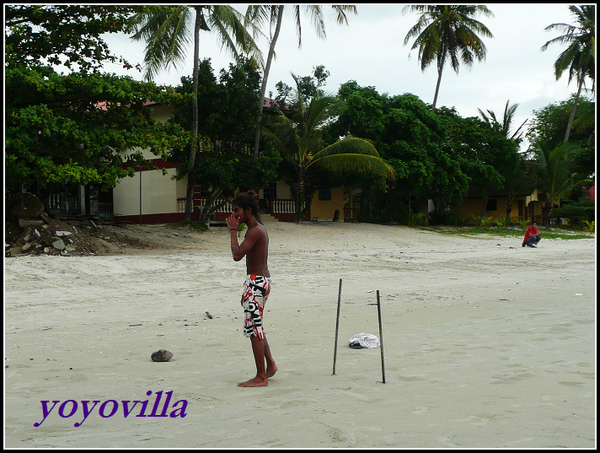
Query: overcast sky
[371, 51]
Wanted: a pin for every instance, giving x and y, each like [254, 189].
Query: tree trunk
[484, 206]
[440, 67]
[298, 199]
[263, 87]
[189, 196]
[572, 117]
[210, 207]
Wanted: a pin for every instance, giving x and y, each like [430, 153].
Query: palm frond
[352, 154]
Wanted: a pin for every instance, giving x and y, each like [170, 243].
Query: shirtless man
[255, 247]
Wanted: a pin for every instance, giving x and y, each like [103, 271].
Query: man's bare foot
[256, 382]
[272, 370]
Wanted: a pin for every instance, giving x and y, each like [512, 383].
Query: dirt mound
[33, 232]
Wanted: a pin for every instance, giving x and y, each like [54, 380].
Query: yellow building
[524, 206]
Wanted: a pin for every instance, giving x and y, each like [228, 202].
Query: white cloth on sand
[364, 340]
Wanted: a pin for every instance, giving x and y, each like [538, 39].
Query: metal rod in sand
[337, 325]
[380, 337]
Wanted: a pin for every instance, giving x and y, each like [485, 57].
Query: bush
[418, 219]
[482, 222]
[443, 217]
[577, 212]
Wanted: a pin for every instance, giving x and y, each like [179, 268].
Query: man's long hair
[247, 200]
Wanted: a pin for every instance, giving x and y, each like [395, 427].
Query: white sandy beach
[486, 344]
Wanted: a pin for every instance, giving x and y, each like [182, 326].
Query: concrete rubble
[30, 230]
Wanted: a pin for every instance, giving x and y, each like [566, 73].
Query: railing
[101, 209]
[225, 208]
[278, 206]
[66, 204]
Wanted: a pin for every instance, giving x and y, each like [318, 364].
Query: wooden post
[337, 326]
[380, 337]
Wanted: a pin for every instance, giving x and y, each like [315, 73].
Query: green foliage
[524, 224]
[577, 212]
[445, 217]
[546, 131]
[589, 226]
[166, 29]
[307, 86]
[482, 222]
[417, 219]
[75, 128]
[448, 33]
[71, 35]
[301, 140]
[411, 138]
[502, 221]
[579, 58]
[225, 161]
[217, 119]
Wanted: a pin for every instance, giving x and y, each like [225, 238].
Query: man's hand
[232, 222]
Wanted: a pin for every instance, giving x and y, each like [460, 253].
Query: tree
[411, 138]
[560, 169]
[74, 128]
[547, 127]
[273, 14]
[556, 179]
[504, 127]
[579, 58]
[300, 140]
[69, 35]
[166, 30]
[484, 155]
[448, 32]
[226, 162]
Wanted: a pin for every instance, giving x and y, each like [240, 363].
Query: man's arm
[240, 250]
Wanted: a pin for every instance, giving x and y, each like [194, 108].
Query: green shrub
[418, 219]
[445, 217]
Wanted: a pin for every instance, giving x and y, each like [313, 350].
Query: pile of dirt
[30, 230]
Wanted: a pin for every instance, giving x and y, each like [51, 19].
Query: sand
[486, 344]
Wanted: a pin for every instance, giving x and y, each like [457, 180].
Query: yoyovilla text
[110, 408]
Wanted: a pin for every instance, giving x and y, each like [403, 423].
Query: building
[155, 196]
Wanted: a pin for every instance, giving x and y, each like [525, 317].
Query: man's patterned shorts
[254, 297]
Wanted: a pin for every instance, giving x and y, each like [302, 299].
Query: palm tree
[300, 139]
[273, 14]
[448, 32]
[579, 58]
[166, 30]
[556, 178]
[504, 127]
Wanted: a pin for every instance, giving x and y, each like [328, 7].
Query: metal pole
[337, 326]
[140, 195]
[380, 337]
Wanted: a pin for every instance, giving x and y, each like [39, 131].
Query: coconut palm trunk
[573, 110]
[189, 197]
[263, 87]
[440, 65]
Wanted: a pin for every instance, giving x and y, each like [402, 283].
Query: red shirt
[531, 231]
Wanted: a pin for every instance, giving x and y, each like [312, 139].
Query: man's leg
[271, 367]
[258, 349]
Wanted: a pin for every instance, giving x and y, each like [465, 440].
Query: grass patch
[507, 232]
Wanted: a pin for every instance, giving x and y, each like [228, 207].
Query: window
[492, 205]
[325, 195]
[270, 191]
